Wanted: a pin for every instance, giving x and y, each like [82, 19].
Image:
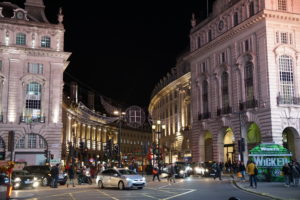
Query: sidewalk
[275, 190]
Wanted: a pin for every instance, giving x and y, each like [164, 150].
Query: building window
[203, 67]
[21, 39]
[284, 38]
[282, 5]
[35, 68]
[225, 93]
[42, 142]
[251, 9]
[21, 143]
[223, 57]
[32, 109]
[205, 96]
[249, 81]
[236, 19]
[199, 42]
[2, 144]
[46, 42]
[247, 45]
[1, 66]
[31, 141]
[286, 77]
[277, 37]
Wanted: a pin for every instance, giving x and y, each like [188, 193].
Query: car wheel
[140, 188]
[121, 185]
[44, 181]
[100, 184]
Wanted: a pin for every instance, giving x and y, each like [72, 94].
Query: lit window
[46, 42]
[21, 39]
[35, 68]
[286, 78]
[21, 143]
[283, 37]
[31, 141]
[282, 6]
[32, 109]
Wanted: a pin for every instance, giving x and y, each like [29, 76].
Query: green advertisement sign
[269, 159]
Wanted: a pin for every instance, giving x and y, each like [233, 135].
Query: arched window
[249, 81]
[205, 96]
[21, 39]
[32, 111]
[31, 141]
[46, 42]
[286, 78]
[225, 93]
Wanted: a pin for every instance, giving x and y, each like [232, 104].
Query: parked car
[42, 172]
[22, 179]
[121, 178]
[204, 169]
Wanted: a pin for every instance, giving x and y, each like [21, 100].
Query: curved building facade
[245, 78]
[170, 103]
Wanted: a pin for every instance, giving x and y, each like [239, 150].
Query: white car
[121, 178]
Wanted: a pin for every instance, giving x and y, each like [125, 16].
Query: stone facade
[245, 79]
[32, 62]
[170, 103]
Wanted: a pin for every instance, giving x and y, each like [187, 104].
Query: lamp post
[120, 116]
[157, 129]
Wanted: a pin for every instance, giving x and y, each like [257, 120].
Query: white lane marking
[171, 197]
[107, 195]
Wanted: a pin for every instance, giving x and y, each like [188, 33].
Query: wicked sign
[269, 159]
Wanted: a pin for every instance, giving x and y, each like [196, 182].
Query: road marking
[71, 195]
[107, 195]
[171, 197]
[162, 190]
[146, 195]
[62, 194]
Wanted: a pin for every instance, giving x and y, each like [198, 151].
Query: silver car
[121, 178]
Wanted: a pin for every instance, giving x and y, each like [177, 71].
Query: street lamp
[120, 116]
[157, 129]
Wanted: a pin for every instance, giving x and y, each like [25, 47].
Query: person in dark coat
[171, 173]
[71, 175]
[155, 172]
[218, 172]
[54, 175]
[286, 173]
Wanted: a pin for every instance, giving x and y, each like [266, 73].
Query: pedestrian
[286, 173]
[252, 171]
[171, 173]
[54, 175]
[217, 169]
[71, 175]
[242, 170]
[295, 173]
[155, 172]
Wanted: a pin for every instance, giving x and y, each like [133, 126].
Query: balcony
[202, 116]
[224, 111]
[288, 100]
[249, 104]
[29, 119]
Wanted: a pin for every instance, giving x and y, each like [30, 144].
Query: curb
[257, 193]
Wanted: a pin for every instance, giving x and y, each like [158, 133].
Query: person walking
[295, 173]
[54, 175]
[155, 172]
[71, 175]
[286, 173]
[252, 171]
[171, 174]
[242, 170]
[216, 167]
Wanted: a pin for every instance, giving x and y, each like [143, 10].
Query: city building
[32, 62]
[170, 103]
[245, 80]
[91, 137]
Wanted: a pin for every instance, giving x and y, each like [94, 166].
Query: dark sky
[122, 49]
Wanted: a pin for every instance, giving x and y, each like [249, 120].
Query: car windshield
[126, 172]
[18, 173]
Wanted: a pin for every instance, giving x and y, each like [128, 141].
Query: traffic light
[46, 153]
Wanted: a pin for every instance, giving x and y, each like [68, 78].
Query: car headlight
[35, 178]
[128, 179]
[206, 170]
[144, 179]
[65, 174]
[181, 172]
[17, 179]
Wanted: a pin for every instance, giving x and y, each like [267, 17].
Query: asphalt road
[187, 189]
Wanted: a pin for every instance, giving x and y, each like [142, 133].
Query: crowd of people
[291, 173]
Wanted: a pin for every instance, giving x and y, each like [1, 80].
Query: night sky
[122, 49]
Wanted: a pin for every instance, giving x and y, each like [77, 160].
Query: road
[188, 189]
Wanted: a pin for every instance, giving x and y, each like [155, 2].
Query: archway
[253, 136]
[208, 146]
[289, 141]
[229, 146]
[31, 149]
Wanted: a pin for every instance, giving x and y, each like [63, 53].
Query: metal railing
[288, 100]
[29, 119]
[224, 111]
[205, 115]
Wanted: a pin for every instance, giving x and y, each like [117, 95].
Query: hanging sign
[269, 159]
